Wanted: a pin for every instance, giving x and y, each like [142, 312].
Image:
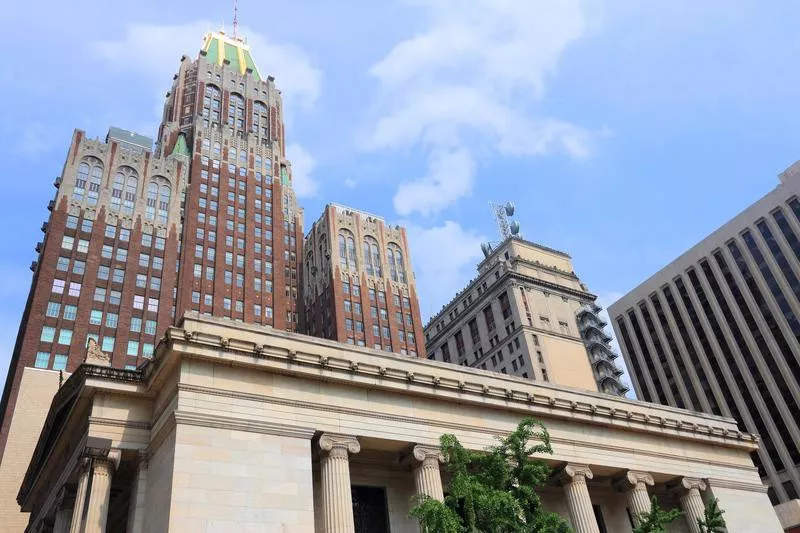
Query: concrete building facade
[358, 284]
[519, 316]
[234, 427]
[717, 331]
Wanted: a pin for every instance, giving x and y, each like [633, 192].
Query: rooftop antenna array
[507, 228]
[235, 19]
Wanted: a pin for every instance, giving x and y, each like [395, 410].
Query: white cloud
[470, 81]
[302, 166]
[444, 260]
[154, 50]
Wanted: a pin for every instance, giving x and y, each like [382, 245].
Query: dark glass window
[753, 370]
[370, 513]
[637, 369]
[662, 355]
[648, 359]
[676, 353]
[774, 328]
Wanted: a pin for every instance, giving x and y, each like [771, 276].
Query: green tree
[493, 492]
[712, 521]
[656, 520]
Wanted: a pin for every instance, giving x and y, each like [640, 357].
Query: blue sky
[625, 131]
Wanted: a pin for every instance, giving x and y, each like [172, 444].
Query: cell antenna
[235, 19]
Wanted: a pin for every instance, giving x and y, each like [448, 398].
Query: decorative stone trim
[737, 485]
[238, 424]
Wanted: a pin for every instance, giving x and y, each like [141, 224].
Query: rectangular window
[67, 242]
[107, 252]
[150, 327]
[114, 297]
[226, 304]
[111, 320]
[152, 305]
[138, 302]
[83, 246]
[147, 240]
[144, 260]
[42, 360]
[62, 264]
[158, 263]
[124, 234]
[95, 317]
[86, 225]
[72, 222]
[133, 348]
[256, 310]
[58, 286]
[65, 337]
[74, 289]
[111, 231]
[195, 297]
[136, 324]
[60, 362]
[48, 334]
[119, 275]
[103, 272]
[155, 283]
[108, 344]
[70, 312]
[53, 309]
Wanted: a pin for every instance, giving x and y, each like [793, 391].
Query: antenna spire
[235, 19]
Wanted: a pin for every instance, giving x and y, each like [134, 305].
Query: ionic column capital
[633, 479]
[422, 453]
[575, 473]
[334, 443]
[687, 484]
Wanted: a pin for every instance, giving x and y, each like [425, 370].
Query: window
[86, 225]
[195, 297]
[348, 324]
[122, 255]
[48, 334]
[226, 304]
[59, 362]
[108, 344]
[95, 317]
[147, 349]
[72, 222]
[111, 320]
[152, 305]
[62, 264]
[107, 252]
[147, 240]
[103, 272]
[138, 302]
[372, 257]
[123, 190]
[42, 360]
[256, 310]
[111, 231]
[395, 261]
[65, 337]
[155, 283]
[133, 348]
[67, 242]
[505, 305]
[136, 324]
[114, 297]
[58, 286]
[119, 275]
[124, 234]
[74, 289]
[488, 316]
[53, 309]
[150, 327]
[348, 306]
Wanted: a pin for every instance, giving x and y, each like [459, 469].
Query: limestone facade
[235, 427]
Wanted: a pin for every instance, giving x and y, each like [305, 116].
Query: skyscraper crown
[219, 48]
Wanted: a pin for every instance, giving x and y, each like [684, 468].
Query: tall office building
[528, 314]
[205, 221]
[718, 330]
[358, 285]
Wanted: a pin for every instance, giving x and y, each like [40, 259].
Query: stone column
[427, 477]
[337, 500]
[136, 507]
[634, 485]
[573, 478]
[65, 504]
[76, 524]
[100, 492]
[688, 491]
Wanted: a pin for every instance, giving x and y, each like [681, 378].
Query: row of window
[228, 304]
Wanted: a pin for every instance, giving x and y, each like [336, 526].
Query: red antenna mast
[235, 19]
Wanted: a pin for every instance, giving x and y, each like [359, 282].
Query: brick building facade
[358, 285]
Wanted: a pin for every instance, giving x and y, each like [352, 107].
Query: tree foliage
[712, 521]
[656, 520]
[494, 492]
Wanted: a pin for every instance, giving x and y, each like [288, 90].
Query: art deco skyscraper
[206, 221]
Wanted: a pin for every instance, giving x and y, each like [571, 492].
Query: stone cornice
[219, 339]
[241, 424]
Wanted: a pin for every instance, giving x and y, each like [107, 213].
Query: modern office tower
[358, 285]
[207, 221]
[718, 330]
[520, 316]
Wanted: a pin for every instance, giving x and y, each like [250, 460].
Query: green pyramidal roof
[219, 47]
[181, 148]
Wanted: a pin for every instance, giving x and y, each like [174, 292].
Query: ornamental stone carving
[96, 356]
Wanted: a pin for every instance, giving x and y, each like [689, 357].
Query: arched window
[351, 253]
[95, 180]
[236, 111]
[81, 181]
[206, 145]
[260, 119]
[217, 150]
[343, 251]
[163, 202]
[123, 190]
[152, 199]
[394, 258]
[90, 175]
[232, 154]
[258, 163]
[212, 102]
[372, 257]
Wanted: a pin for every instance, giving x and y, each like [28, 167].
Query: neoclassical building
[236, 427]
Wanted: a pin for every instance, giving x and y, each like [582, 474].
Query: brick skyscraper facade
[358, 284]
[206, 221]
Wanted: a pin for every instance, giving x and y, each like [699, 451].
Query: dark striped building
[718, 330]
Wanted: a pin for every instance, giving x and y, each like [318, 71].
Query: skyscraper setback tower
[206, 221]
